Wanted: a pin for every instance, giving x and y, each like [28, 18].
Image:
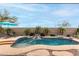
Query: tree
[27, 32]
[1, 30]
[46, 31]
[37, 30]
[5, 16]
[9, 32]
[63, 26]
[77, 32]
[61, 30]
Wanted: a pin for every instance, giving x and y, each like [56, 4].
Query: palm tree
[61, 30]
[77, 32]
[63, 26]
[46, 31]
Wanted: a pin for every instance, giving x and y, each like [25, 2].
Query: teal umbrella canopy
[8, 23]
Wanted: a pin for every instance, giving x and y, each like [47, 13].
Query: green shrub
[32, 34]
[52, 35]
[42, 34]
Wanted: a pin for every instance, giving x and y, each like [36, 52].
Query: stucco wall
[70, 31]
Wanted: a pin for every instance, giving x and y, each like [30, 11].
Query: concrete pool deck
[38, 50]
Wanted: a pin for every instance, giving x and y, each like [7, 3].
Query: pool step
[6, 42]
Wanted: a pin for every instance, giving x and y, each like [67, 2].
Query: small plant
[42, 34]
[52, 35]
[32, 34]
[68, 35]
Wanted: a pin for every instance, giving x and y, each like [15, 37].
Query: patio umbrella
[8, 23]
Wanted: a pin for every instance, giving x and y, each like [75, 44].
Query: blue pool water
[23, 42]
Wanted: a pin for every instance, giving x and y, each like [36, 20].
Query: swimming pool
[24, 41]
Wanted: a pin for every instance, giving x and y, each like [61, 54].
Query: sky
[44, 15]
